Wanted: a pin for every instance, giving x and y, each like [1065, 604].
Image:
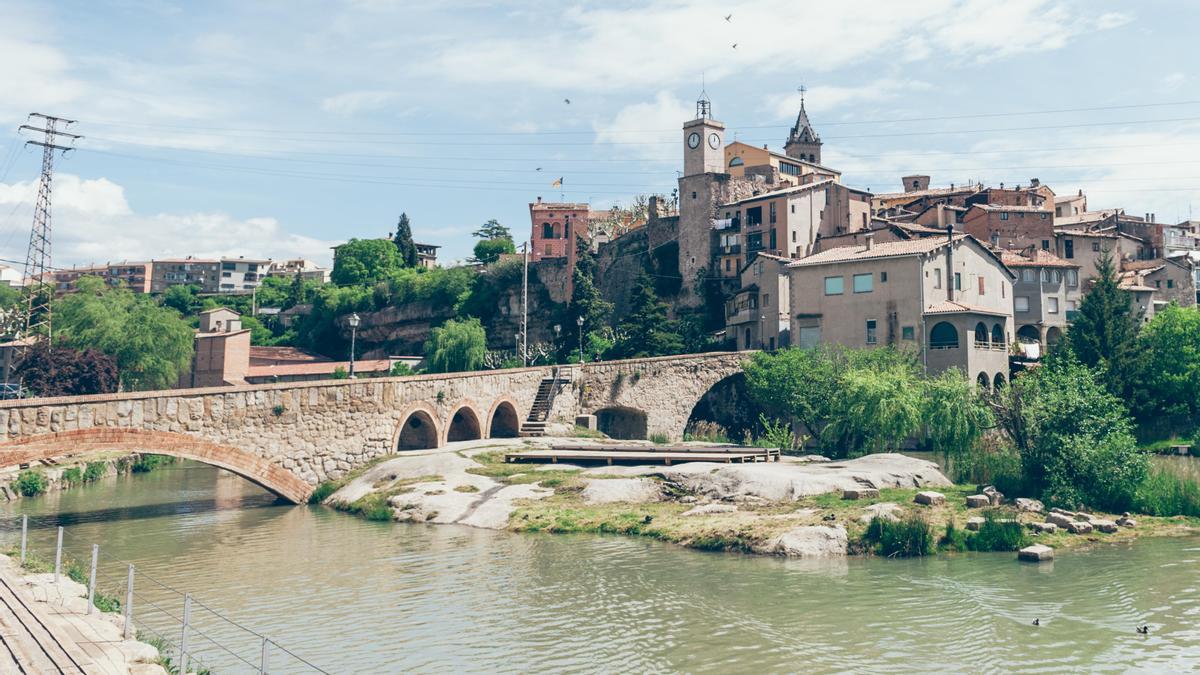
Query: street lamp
[354, 320]
[579, 322]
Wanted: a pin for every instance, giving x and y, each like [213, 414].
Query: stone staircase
[535, 424]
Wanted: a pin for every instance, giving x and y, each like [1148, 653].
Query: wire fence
[191, 636]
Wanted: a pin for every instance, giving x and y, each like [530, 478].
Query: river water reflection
[354, 597]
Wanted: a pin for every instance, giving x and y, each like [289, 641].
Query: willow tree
[455, 346]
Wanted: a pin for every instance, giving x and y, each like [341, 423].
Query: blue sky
[280, 128]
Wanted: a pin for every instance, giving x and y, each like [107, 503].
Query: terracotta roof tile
[953, 307]
[887, 249]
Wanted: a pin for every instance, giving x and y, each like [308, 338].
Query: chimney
[868, 240]
[941, 214]
[539, 200]
[1034, 182]
[950, 263]
[1152, 218]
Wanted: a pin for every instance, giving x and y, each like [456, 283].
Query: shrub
[706, 431]
[31, 482]
[778, 434]
[278, 409]
[72, 476]
[954, 539]
[659, 439]
[1165, 493]
[94, 471]
[997, 534]
[998, 465]
[148, 463]
[911, 537]
[322, 492]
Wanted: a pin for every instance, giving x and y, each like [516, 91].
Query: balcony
[990, 346]
[732, 249]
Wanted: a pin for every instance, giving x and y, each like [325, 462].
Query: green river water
[352, 596]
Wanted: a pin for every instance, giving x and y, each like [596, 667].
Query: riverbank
[63, 628]
[17, 483]
[795, 507]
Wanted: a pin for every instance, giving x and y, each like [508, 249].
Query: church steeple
[803, 142]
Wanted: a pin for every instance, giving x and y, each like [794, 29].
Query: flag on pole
[557, 183]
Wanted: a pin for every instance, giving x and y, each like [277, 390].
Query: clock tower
[703, 141]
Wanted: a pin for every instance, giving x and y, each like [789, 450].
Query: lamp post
[354, 320]
[579, 322]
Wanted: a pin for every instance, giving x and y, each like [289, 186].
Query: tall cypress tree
[1104, 333]
[586, 302]
[647, 331]
[404, 242]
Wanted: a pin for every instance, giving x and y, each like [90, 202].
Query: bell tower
[803, 143]
[703, 141]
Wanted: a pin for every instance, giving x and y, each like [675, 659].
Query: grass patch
[584, 432]
[94, 471]
[72, 476]
[147, 463]
[910, 537]
[374, 506]
[659, 439]
[466, 488]
[75, 571]
[322, 491]
[165, 650]
[1165, 493]
[998, 534]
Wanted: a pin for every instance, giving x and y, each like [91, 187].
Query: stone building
[1046, 293]
[136, 276]
[948, 298]
[1010, 226]
[758, 314]
[202, 273]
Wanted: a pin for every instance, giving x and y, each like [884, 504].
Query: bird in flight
[728, 17]
[567, 101]
[735, 45]
[538, 169]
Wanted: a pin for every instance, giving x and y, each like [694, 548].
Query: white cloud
[642, 128]
[353, 102]
[665, 42]
[94, 223]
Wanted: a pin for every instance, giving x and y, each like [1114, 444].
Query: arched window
[997, 335]
[998, 382]
[982, 381]
[943, 336]
[547, 231]
[736, 161]
[981, 334]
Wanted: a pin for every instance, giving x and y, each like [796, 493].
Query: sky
[279, 129]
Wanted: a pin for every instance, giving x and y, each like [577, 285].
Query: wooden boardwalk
[644, 454]
[32, 641]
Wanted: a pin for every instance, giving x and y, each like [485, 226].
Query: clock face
[694, 140]
[714, 141]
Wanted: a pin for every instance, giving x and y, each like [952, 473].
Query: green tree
[488, 251]
[1075, 439]
[151, 343]
[879, 408]
[403, 239]
[361, 262]
[647, 331]
[492, 229]
[955, 416]
[1104, 333]
[456, 346]
[182, 299]
[587, 304]
[1169, 364]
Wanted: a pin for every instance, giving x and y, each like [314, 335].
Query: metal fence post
[58, 555]
[24, 535]
[92, 578]
[129, 604]
[266, 656]
[183, 639]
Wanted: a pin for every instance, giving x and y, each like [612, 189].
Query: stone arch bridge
[289, 437]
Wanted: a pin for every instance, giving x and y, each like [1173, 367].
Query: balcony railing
[991, 346]
[732, 248]
[723, 223]
[944, 345]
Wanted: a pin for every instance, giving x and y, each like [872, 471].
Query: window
[957, 281]
[228, 266]
[1045, 244]
[1021, 303]
[793, 208]
[870, 331]
[915, 185]
[793, 236]
[1003, 216]
[937, 278]
[1095, 247]
[834, 285]
[736, 161]
[547, 231]
[908, 333]
[226, 274]
[548, 249]
[1158, 284]
[1044, 216]
[810, 336]
[1045, 276]
[1028, 276]
[1072, 278]
[693, 195]
[772, 238]
[1052, 305]
[766, 300]
[1068, 248]
[1170, 283]
[864, 283]
[981, 284]
[883, 277]
[789, 169]
[772, 212]
[727, 264]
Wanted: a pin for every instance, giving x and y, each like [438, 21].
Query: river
[353, 596]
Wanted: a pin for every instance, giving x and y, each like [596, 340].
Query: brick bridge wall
[289, 437]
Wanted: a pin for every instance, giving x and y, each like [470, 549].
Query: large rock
[810, 541]
[627, 490]
[1029, 505]
[789, 481]
[1126, 521]
[974, 523]
[860, 493]
[1104, 525]
[1036, 553]
[1044, 528]
[709, 509]
[886, 510]
[995, 496]
[1079, 527]
[1060, 519]
[930, 498]
[978, 501]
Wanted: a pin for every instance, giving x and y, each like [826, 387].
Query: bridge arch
[418, 428]
[253, 468]
[726, 404]
[463, 424]
[503, 420]
[623, 422]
